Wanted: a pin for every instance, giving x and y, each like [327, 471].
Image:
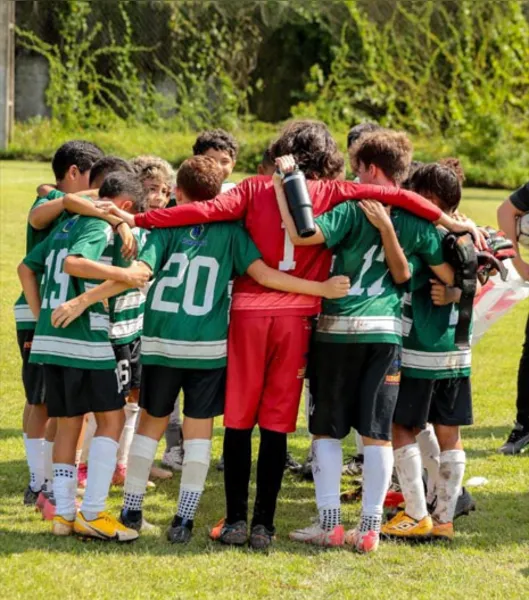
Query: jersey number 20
[191, 268]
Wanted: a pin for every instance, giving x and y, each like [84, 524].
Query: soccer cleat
[120, 473]
[465, 504]
[61, 526]
[30, 497]
[159, 473]
[232, 535]
[317, 536]
[48, 510]
[517, 440]
[174, 458]
[180, 531]
[104, 527]
[353, 466]
[82, 475]
[260, 537]
[292, 465]
[402, 526]
[133, 519]
[220, 464]
[41, 500]
[306, 468]
[363, 541]
[443, 531]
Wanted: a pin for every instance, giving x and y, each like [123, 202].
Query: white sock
[132, 411]
[141, 457]
[25, 438]
[409, 469]
[430, 452]
[451, 473]
[378, 467]
[48, 465]
[102, 461]
[197, 455]
[89, 431]
[64, 487]
[327, 472]
[359, 443]
[35, 453]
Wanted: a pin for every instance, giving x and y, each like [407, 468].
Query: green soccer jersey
[371, 312]
[429, 350]
[84, 344]
[186, 313]
[126, 309]
[23, 316]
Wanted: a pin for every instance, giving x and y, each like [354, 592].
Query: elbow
[35, 222]
[69, 265]
[22, 270]
[402, 277]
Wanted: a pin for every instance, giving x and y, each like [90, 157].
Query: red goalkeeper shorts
[267, 358]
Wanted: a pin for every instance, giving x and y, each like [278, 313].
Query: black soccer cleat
[306, 468]
[353, 466]
[220, 464]
[292, 465]
[517, 440]
[235, 534]
[30, 497]
[465, 504]
[133, 519]
[260, 538]
[180, 531]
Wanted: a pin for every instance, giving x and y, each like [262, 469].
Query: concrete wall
[31, 81]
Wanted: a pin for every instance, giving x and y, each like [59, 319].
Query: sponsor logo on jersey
[66, 228]
[195, 234]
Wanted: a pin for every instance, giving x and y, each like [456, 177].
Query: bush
[491, 162]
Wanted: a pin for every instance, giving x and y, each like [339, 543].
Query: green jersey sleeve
[53, 195]
[35, 260]
[245, 252]
[154, 251]
[91, 239]
[430, 247]
[336, 224]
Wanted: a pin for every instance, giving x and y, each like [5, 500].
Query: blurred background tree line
[454, 73]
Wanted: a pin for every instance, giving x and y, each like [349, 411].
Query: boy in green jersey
[355, 355]
[184, 343]
[435, 386]
[71, 165]
[78, 362]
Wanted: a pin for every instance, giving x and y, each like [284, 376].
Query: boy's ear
[72, 172]
[179, 195]
[127, 205]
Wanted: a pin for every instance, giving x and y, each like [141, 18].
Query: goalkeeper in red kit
[269, 331]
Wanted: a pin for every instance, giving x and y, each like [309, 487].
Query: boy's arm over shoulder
[154, 250]
[230, 206]
[46, 210]
[336, 224]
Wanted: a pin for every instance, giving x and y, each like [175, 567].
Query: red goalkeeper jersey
[254, 202]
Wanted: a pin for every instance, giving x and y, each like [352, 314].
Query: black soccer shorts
[71, 392]
[438, 401]
[128, 365]
[204, 391]
[353, 385]
[32, 373]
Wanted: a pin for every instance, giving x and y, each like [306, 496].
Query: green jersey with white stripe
[84, 344]
[126, 309]
[371, 312]
[186, 313]
[23, 316]
[429, 350]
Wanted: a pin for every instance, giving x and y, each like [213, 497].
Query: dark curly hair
[440, 180]
[313, 148]
[218, 139]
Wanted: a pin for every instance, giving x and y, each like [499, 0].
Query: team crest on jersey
[66, 228]
[196, 232]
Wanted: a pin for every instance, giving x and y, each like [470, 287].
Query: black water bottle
[299, 203]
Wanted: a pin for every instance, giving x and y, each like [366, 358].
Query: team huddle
[129, 301]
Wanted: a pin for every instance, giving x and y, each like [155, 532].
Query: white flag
[496, 299]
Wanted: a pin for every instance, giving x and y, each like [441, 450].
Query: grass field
[489, 559]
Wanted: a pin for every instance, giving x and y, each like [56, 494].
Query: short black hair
[121, 183]
[267, 160]
[358, 130]
[109, 164]
[442, 181]
[414, 165]
[218, 139]
[76, 152]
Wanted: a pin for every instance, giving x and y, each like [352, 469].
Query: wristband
[116, 226]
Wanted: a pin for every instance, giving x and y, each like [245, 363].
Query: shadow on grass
[10, 433]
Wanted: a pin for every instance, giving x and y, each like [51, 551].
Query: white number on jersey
[123, 373]
[288, 263]
[376, 288]
[54, 266]
[192, 269]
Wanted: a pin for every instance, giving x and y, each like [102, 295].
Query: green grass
[489, 558]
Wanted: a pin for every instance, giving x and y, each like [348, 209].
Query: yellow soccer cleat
[61, 526]
[104, 527]
[402, 526]
[443, 531]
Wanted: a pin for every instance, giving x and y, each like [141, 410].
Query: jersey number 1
[54, 269]
[287, 263]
